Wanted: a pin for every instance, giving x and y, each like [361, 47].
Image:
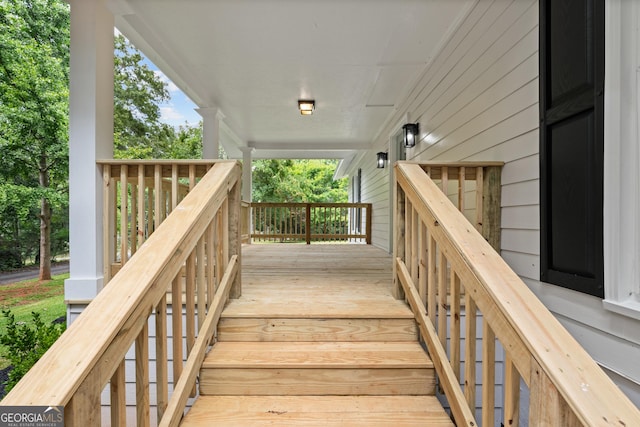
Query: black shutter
[572, 143]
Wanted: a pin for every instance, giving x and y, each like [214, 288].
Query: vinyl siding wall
[478, 100]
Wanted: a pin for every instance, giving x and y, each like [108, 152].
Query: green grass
[23, 298]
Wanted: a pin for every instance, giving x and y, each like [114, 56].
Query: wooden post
[108, 222]
[235, 236]
[547, 407]
[369, 224]
[307, 224]
[84, 408]
[491, 209]
[399, 240]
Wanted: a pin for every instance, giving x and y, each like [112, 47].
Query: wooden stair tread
[296, 329]
[317, 411]
[306, 307]
[348, 355]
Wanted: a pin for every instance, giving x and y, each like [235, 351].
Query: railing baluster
[415, 255]
[133, 226]
[175, 182]
[479, 197]
[444, 177]
[150, 207]
[124, 214]
[192, 176]
[217, 246]
[162, 377]
[142, 377]
[454, 348]
[157, 206]
[470, 350]
[461, 188]
[423, 248]
[190, 301]
[511, 393]
[107, 222]
[432, 284]
[118, 395]
[442, 300]
[408, 223]
[201, 283]
[140, 235]
[488, 374]
[176, 326]
[211, 263]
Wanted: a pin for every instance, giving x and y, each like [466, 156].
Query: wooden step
[317, 411]
[317, 368]
[296, 329]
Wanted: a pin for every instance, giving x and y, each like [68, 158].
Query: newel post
[235, 235]
[491, 206]
[398, 235]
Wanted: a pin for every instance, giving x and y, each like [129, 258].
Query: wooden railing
[456, 283]
[245, 222]
[196, 247]
[138, 195]
[307, 222]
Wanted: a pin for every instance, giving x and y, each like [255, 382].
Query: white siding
[478, 100]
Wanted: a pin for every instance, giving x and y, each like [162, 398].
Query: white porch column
[90, 139]
[211, 117]
[247, 158]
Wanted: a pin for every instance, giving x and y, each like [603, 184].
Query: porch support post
[90, 139]
[211, 117]
[247, 158]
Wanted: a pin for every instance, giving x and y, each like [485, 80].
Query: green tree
[297, 181]
[137, 93]
[34, 70]
[138, 132]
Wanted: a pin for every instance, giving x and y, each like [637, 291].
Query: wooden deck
[316, 339]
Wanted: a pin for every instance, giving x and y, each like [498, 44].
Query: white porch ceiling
[253, 59]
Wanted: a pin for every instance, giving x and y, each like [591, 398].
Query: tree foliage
[34, 70]
[34, 82]
[296, 181]
[25, 344]
[138, 131]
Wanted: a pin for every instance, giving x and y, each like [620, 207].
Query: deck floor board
[337, 281]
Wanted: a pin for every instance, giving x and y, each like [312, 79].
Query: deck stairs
[317, 340]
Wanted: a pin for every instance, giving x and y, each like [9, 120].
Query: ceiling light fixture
[306, 106]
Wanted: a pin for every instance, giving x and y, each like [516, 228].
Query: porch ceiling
[253, 59]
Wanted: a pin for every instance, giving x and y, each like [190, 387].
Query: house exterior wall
[478, 100]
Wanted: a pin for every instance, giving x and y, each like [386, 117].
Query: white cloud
[171, 87]
[170, 114]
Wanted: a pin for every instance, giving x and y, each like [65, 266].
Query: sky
[179, 109]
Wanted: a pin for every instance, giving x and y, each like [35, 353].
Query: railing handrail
[526, 328]
[108, 327]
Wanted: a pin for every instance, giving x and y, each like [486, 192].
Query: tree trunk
[45, 225]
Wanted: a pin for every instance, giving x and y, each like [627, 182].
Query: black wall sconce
[410, 131]
[382, 159]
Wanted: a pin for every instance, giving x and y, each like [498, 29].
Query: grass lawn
[46, 298]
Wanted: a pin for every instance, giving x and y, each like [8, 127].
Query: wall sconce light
[306, 106]
[410, 131]
[382, 159]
